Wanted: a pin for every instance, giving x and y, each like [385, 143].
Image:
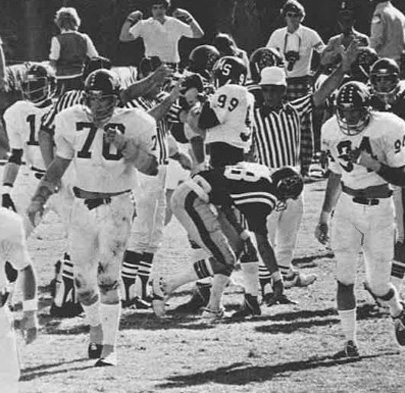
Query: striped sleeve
[303, 105]
[67, 100]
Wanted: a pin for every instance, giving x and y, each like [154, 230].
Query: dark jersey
[397, 107]
[247, 186]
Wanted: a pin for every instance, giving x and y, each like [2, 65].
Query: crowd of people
[226, 146]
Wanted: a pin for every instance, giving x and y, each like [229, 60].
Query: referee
[279, 141]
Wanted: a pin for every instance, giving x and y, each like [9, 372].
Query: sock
[348, 322]
[92, 313]
[64, 289]
[145, 267]
[219, 283]
[391, 299]
[251, 273]
[264, 278]
[110, 319]
[276, 276]
[130, 266]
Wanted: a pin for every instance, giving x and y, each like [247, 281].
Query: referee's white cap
[273, 76]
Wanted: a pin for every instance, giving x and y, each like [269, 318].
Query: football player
[367, 154]
[105, 145]
[13, 248]
[147, 229]
[388, 95]
[249, 188]
[202, 60]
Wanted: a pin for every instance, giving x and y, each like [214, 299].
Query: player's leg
[9, 366]
[378, 254]
[398, 263]
[346, 242]
[203, 227]
[146, 235]
[85, 258]
[114, 222]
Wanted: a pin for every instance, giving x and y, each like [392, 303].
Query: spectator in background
[226, 46]
[346, 19]
[69, 51]
[387, 31]
[296, 43]
[161, 33]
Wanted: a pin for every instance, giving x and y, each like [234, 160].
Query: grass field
[288, 349]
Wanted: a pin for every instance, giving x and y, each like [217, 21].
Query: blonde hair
[67, 18]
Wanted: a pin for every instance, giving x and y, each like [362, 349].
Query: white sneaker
[212, 316]
[159, 296]
[299, 280]
[109, 360]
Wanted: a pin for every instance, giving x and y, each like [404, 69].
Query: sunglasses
[293, 15]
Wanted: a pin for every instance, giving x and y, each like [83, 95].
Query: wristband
[30, 305]
[6, 189]
[244, 235]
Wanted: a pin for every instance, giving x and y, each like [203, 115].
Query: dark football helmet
[385, 77]
[229, 69]
[261, 58]
[202, 59]
[289, 183]
[353, 107]
[38, 83]
[101, 90]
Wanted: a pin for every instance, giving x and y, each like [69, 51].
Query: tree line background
[26, 26]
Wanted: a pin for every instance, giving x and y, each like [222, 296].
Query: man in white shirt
[161, 33]
[387, 30]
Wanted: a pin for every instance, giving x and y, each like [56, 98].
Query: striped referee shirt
[278, 136]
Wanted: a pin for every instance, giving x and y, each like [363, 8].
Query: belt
[95, 199]
[368, 196]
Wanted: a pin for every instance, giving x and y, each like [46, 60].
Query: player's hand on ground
[29, 326]
[322, 232]
[7, 202]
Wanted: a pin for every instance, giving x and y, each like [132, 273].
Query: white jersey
[233, 106]
[98, 166]
[12, 243]
[23, 120]
[383, 138]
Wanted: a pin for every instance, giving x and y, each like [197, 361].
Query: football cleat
[250, 308]
[399, 323]
[277, 296]
[350, 350]
[136, 303]
[212, 316]
[200, 299]
[159, 297]
[109, 360]
[299, 280]
[94, 350]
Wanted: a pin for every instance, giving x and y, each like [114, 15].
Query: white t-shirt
[233, 106]
[23, 120]
[383, 138]
[98, 166]
[304, 40]
[162, 39]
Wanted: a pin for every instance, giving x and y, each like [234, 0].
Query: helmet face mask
[101, 96]
[353, 108]
[289, 184]
[384, 78]
[37, 84]
[229, 70]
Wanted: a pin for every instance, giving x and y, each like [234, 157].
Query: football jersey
[247, 186]
[98, 166]
[233, 106]
[23, 121]
[383, 138]
[398, 105]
